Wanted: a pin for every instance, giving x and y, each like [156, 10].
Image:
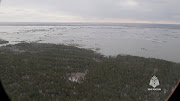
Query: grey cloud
[148, 10]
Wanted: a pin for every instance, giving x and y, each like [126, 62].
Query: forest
[44, 72]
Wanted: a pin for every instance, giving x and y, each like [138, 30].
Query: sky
[120, 11]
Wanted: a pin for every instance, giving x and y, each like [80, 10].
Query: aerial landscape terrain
[90, 50]
[39, 62]
[34, 71]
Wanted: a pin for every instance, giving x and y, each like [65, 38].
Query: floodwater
[145, 40]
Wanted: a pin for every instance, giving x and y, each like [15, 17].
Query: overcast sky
[130, 11]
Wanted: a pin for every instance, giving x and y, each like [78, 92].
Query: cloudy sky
[130, 11]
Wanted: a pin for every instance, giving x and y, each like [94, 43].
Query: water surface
[146, 40]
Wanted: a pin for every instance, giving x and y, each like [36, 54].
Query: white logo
[154, 82]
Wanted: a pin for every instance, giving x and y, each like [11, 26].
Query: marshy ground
[33, 71]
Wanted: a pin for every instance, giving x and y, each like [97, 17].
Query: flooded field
[146, 40]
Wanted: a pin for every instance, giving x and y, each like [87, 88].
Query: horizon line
[94, 22]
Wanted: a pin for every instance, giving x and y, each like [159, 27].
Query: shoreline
[5, 43]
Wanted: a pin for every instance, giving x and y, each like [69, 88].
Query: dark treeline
[3, 41]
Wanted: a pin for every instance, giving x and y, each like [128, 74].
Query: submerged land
[145, 40]
[43, 72]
